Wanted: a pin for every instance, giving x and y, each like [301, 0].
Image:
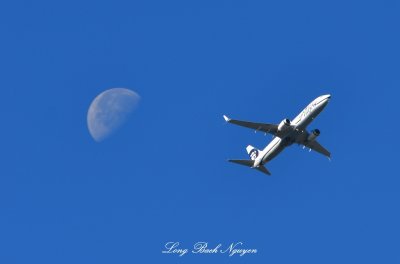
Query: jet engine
[284, 125]
[313, 135]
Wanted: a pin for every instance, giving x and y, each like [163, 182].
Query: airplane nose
[326, 97]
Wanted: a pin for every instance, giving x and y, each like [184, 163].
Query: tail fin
[252, 151]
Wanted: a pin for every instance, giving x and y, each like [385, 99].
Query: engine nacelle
[313, 135]
[284, 125]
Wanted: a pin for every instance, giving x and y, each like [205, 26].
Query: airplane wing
[265, 127]
[314, 145]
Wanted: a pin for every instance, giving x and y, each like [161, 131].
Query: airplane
[284, 134]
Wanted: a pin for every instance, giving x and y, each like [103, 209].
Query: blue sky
[164, 177]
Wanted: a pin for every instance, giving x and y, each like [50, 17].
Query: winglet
[227, 119]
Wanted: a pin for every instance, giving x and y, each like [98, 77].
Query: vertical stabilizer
[252, 151]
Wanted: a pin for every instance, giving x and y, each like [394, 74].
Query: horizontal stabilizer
[263, 170]
[248, 163]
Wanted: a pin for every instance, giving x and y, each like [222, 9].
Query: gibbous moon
[109, 110]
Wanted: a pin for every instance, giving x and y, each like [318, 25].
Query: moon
[109, 111]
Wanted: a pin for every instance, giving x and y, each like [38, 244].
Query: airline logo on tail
[252, 151]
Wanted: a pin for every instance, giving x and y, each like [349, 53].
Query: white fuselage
[294, 133]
